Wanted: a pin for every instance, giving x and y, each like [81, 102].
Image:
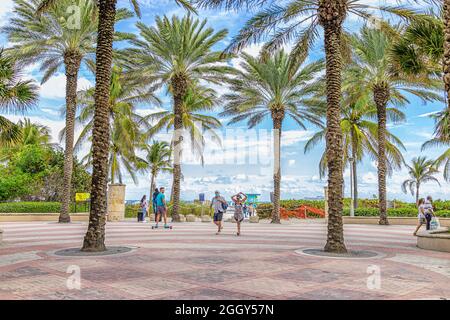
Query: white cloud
[51, 111]
[55, 87]
[291, 162]
[5, 11]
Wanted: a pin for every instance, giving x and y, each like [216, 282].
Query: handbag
[434, 223]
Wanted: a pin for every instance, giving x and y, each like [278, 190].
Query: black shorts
[218, 216]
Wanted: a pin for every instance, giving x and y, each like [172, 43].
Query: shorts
[422, 220]
[218, 216]
[161, 210]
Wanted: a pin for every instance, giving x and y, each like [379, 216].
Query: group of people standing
[159, 206]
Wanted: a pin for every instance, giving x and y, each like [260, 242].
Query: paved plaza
[191, 262]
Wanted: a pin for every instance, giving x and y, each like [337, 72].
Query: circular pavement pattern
[351, 254]
[76, 252]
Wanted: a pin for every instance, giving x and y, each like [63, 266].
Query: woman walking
[421, 215]
[143, 208]
[239, 200]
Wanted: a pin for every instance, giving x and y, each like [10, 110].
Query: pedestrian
[239, 199]
[143, 209]
[220, 206]
[155, 194]
[161, 208]
[421, 215]
[429, 211]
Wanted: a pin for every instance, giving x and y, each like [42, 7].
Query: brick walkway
[191, 262]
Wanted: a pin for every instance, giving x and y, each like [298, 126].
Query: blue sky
[244, 173]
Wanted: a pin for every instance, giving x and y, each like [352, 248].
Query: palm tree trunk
[152, 188]
[417, 193]
[381, 97]
[446, 59]
[277, 116]
[179, 86]
[72, 61]
[331, 16]
[355, 178]
[94, 239]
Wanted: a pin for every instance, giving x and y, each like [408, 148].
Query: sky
[243, 162]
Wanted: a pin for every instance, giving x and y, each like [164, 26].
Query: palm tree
[421, 171]
[277, 87]
[126, 125]
[94, 239]
[159, 160]
[374, 68]
[360, 133]
[441, 138]
[194, 124]
[178, 53]
[53, 41]
[16, 96]
[34, 133]
[299, 20]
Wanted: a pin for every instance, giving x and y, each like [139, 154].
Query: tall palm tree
[299, 20]
[277, 87]
[53, 41]
[16, 96]
[94, 239]
[193, 126]
[158, 158]
[420, 171]
[374, 68]
[178, 53]
[126, 125]
[360, 133]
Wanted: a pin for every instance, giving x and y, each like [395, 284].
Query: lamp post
[352, 206]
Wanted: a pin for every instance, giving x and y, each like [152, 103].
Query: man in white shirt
[429, 210]
[219, 204]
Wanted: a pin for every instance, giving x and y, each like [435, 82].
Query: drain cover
[76, 252]
[351, 254]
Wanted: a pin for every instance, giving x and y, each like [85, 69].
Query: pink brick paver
[191, 262]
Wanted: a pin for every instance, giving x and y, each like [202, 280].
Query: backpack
[224, 206]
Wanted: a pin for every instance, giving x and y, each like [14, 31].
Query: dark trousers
[140, 216]
[428, 218]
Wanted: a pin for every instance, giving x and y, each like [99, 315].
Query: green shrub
[397, 212]
[185, 209]
[37, 207]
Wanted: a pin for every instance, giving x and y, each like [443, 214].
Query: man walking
[161, 207]
[220, 206]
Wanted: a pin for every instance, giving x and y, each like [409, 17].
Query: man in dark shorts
[161, 207]
[219, 204]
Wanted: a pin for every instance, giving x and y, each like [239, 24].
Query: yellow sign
[82, 196]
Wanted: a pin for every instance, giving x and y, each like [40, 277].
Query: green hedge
[397, 212]
[36, 207]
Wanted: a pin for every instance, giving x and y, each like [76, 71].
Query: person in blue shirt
[155, 194]
[161, 207]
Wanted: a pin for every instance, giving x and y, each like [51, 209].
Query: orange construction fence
[301, 212]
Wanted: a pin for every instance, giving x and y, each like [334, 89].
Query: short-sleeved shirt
[159, 199]
[421, 214]
[217, 204]
[428, 207]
